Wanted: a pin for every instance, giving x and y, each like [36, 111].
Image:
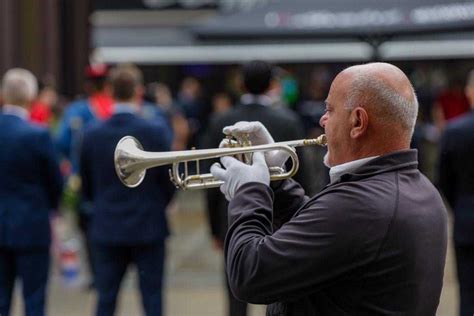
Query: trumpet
[131, 161]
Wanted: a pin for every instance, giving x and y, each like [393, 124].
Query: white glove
[258, 135]
[237, 173]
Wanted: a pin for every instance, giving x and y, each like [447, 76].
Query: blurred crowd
[84, 132]
[189, 108]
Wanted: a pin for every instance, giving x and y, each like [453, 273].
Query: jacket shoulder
[29, 129]
[374, 194]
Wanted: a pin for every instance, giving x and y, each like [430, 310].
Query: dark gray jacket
[456, 174]
[372, 244]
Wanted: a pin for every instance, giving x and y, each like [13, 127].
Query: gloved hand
[237, 173]
[258, 135]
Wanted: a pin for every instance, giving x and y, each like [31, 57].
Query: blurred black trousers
[465, 269]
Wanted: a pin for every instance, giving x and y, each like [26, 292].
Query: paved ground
[194, 275]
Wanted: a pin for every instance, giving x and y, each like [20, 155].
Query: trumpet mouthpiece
[322, 140]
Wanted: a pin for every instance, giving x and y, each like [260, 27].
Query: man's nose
[322, 121]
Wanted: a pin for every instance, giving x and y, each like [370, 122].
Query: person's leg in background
[84, 221]
[465, 271]
[33, 269]
[7, 279]
[111, 264]
[150, 259]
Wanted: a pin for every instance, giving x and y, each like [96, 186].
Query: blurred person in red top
[41, 107]
[450, 103]
[82, 112]
[98, 90]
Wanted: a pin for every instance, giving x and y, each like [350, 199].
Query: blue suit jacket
[122, 215]
[456, 175]
[77, 117]
[30, 186]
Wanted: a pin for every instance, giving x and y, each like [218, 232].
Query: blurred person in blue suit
[128, 226]
[78, 116]
[456, 181]
[31, 188]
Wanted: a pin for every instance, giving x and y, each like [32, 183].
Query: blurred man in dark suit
[456, 181]
[255, 105]
[128, 225]
[31, 188]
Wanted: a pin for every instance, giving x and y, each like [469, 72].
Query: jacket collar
[404, 159]
[251, 99]
[121, 108]
[15, 110]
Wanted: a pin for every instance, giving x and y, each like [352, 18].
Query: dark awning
[341, 18]
[290, 31]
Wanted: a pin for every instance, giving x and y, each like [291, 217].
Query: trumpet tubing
[131, 161]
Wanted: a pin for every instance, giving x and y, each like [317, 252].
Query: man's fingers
[218, 172]
[228, 130]
[225, 143]
[242, 127]
[228, 161]
[259, 159]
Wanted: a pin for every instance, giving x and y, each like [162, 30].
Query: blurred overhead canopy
[342, 18]
[288, 31]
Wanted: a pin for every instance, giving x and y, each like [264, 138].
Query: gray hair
[19, 86]
[388, 105]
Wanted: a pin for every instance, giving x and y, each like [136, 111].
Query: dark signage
[155, 4]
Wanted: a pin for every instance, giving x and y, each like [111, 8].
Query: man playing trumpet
[373, 242]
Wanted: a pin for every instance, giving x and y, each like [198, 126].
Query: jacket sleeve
[64, 135]
[85, 172]
[446, 181]
[289, 196]
[305, 254]
[52, 173]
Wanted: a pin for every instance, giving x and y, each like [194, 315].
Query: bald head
[386, 92]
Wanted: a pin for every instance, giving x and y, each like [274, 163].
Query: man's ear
[469, 92]
[360, 122]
